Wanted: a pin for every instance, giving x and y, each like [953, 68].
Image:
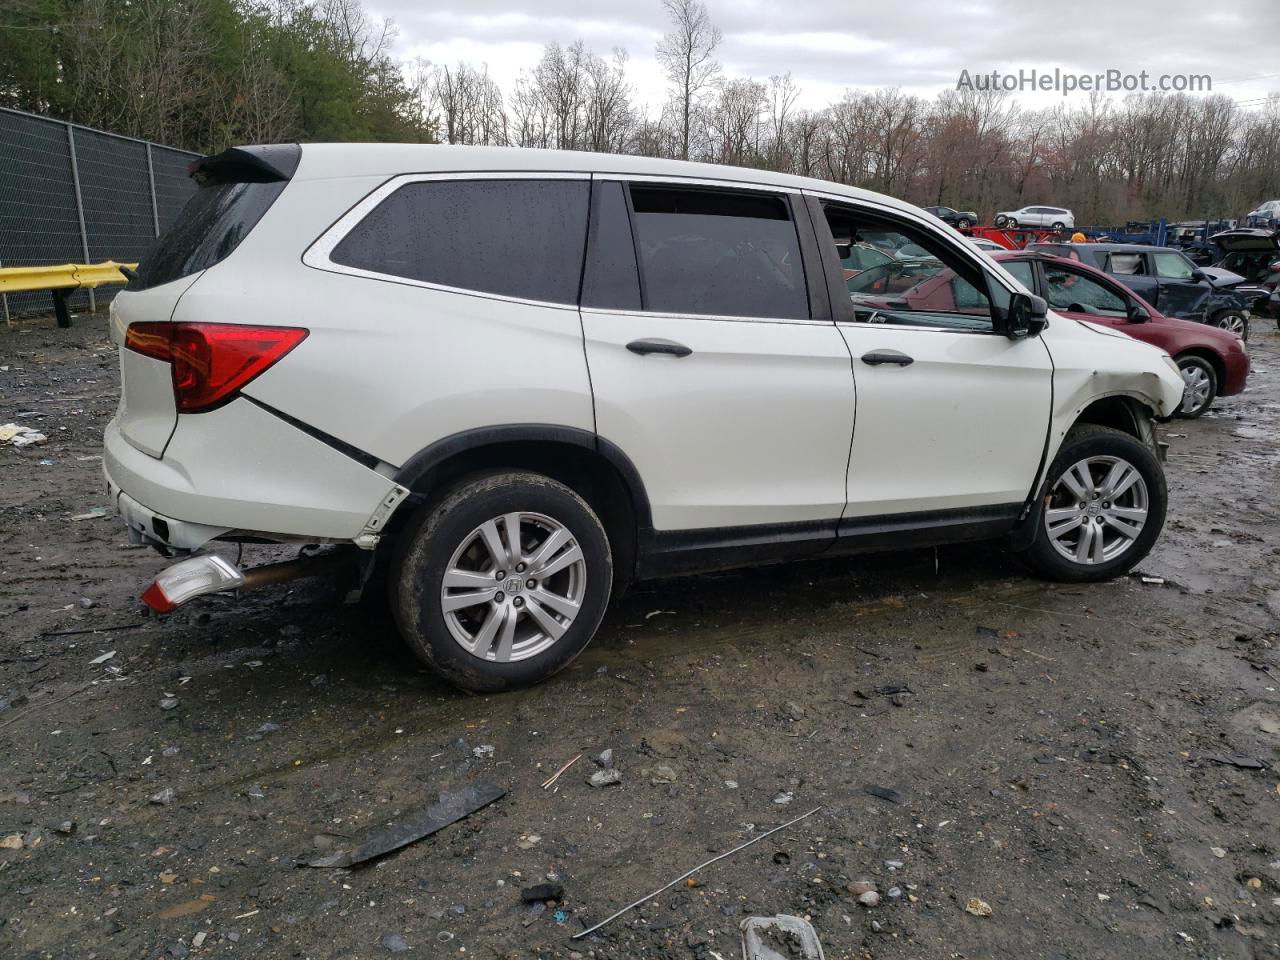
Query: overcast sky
[832, 46]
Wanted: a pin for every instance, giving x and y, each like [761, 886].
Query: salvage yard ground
[1097, 763]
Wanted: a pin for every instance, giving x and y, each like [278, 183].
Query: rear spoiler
[268, 163]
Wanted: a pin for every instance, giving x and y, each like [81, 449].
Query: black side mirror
[1137, 313]
[1198, 275]
[1026, 316]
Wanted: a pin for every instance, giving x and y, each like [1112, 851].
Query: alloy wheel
[1232, 323]
[1097, 509]
[513, 587]
[1197, 385]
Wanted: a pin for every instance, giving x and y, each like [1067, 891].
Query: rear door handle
[669, 347]
[897, 357]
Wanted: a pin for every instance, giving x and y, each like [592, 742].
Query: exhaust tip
[195, 577]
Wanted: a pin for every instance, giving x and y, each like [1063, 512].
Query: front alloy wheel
[1200, 386]
[1101, 508]
[1233, 322]
[1097, 510]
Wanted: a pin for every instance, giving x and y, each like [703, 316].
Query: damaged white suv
[524, 378]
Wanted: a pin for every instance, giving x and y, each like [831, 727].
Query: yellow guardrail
[61, 280]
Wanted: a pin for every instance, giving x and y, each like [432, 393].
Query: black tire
[1234, 321]
[1012, 223]
[1059, 226]
[1082, 442]
[963, 223]
[1000, 221]
[1204, 369]
[444, 527]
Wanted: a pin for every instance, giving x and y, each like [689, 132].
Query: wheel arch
[598, 470]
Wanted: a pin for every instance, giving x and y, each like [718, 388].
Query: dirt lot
[1051, 756]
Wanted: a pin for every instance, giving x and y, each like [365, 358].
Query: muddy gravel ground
[1096, 764]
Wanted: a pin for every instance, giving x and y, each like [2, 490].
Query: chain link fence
[72, 194]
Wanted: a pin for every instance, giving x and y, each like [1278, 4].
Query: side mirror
[1137, 313]
[1026, 316]
[1198, 275]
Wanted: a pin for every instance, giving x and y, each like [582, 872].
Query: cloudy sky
[832, 46]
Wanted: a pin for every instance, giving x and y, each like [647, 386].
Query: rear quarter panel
[389, 367]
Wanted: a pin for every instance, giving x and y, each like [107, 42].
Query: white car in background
[1056, 218]
[516, 380]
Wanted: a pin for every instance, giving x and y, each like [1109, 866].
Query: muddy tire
[1201, 387]
[1104, 505]
[502, 581]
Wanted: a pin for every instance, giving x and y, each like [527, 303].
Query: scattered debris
[1218, 852]
[784, 797]
[17, 435]
[605, 758]
[1158, 581]
[1242, 763]
[781, 937]
[97, 513]
[663, 774]
[979, 908]
[187, 908]
[527, 841]
[168, 703]
[869, 899]
[792, 710]
[556, 776]
[450, 808]
[482, 751]
[858, 887]
[884, 793]
[102, 659]
[12, 841]
[728, 853]
[542, 891]
[163, 797]
[605, 778]
[395, 943]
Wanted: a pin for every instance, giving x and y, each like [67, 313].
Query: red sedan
[1213, 362]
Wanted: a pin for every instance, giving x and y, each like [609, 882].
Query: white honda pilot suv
[515, 380]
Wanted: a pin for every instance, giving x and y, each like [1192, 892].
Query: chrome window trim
[318, 254]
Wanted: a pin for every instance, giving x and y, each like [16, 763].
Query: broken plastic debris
[450, 808]
[102, 659]
[780, 938]
[17, 435]
[97, 513]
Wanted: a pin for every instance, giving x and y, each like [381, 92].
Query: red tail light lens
[212, 361]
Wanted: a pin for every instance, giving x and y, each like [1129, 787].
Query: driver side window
[907, 277]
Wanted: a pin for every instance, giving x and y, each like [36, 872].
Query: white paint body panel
[752, 427]
[962, 426]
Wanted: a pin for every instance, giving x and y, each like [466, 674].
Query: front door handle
[669, 347]
[897, 357]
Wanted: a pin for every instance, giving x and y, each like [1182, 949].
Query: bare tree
[686, 56]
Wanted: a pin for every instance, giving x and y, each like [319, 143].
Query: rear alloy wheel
[1200, 386]
[503, 582]
[1000, 221]
[1059, 226]
[963, 223]
[1103, 506]
[1233, 321]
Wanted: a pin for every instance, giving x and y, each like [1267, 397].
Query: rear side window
[1130, 264]
[211, 225]
[515, 238]
[718, 253]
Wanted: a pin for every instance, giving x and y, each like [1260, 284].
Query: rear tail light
[212, 361]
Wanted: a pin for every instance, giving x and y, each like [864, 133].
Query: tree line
[207, 73]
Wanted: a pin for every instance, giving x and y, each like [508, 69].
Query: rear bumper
[242, 470]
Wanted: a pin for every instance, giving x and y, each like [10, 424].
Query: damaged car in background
[1169, 280]
[505, 383]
